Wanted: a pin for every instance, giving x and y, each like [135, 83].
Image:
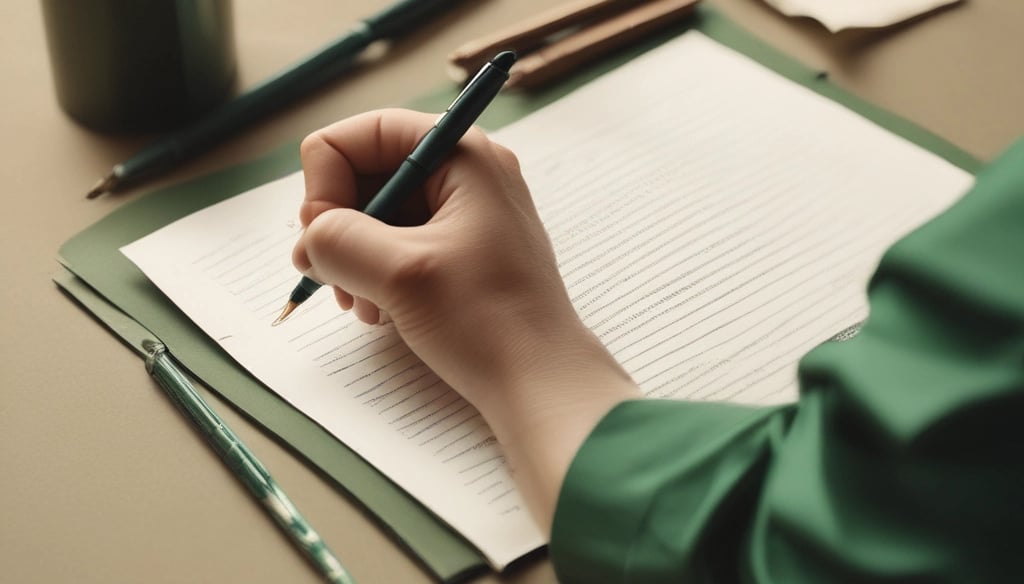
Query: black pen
[292, 83]
[435, 145]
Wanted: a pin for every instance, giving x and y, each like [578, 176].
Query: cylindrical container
[140, 65]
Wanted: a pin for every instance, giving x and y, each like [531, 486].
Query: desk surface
[104, 482]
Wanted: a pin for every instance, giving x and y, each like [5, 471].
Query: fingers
[373, 143]
[342, 162]
[343, 298]
[358, 254]
[369, 262]
[366, 311]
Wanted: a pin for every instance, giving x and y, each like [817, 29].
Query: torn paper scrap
[837, 15]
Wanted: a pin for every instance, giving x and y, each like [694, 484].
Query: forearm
[544, 412]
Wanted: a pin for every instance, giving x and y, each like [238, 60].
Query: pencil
[555, 43]
[273, 94]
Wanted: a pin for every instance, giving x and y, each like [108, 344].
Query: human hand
[473, 288]
[472, 285]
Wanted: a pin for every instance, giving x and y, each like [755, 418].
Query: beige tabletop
[104, 482]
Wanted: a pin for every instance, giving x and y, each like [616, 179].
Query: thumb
[355, 252]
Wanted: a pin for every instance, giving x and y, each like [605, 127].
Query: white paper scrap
[837, 15]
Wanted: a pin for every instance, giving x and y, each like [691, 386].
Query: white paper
[837, 15]
[712, 220]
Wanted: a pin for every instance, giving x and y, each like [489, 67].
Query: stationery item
[556, 42]
[432, 148]
[441, 552]
[242, 462]
[294, 82]
[93, 257]
[709, 233]
[837, 15]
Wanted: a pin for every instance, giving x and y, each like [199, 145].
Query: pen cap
[140, 65]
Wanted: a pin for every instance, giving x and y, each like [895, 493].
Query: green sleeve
[902, 461]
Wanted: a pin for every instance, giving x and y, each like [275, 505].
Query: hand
[472, 287]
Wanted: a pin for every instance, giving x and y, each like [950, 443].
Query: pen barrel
[245, 466]
[266, 98]
[297, 81]
[438, 143]
[385, 204]
[404, 16]
[227, 446]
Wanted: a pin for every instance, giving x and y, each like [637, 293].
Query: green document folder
[93, 257]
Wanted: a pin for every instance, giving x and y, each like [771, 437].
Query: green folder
[93, 257]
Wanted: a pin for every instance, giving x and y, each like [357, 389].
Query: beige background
[102, 481]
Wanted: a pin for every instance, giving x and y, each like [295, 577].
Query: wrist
[544, 411]
[551, 364]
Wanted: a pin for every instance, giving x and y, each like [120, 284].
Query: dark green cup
[140, 65]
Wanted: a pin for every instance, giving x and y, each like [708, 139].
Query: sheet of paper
[837, 15]
[713, 222]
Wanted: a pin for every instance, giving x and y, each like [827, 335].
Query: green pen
[242, 462]
[428, 154]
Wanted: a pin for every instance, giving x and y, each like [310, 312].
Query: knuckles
[476, 140]
[396, 266]
[325, 232]
[312, 144]
[414, 268]
[506, 157]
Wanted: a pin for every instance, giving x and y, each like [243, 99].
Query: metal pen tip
[288, 309]
[103, 185]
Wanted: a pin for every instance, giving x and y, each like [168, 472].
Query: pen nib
[288, 309]
[103, 185]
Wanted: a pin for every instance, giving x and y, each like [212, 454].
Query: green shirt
[902, 461]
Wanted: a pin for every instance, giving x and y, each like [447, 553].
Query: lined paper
[360, 382]
[712, 221]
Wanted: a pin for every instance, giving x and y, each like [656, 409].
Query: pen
[242, 462]
[426, 156]
[292, 83]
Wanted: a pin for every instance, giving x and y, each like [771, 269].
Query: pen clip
[466, 88]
